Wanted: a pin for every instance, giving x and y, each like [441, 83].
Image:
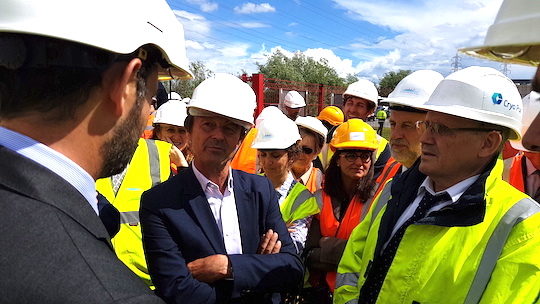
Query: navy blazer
[178, 227]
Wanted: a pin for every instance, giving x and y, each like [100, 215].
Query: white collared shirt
[223, 206]
[454, 191]
[52, 160]
[305, 177]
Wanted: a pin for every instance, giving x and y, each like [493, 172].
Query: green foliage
[390, 80]
[185, 87]
[350, 79]
[300, 68]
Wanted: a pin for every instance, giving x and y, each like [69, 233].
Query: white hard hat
[119, 26]
[174, 96]
[414, 90]
[363, 88]
[173, 112]
[531, 108]
[313, 124]
[269, 112]
[513, 37]
[277, 133]
[294, 100]
[481, 94]
[225, 95]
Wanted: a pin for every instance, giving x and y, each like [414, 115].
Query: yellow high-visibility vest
[149, 166]
[495, 261]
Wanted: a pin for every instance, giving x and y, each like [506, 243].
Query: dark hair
[57, 76]
[188, 124]
[293, 151]
[319, 139]
[161, 95]
[333, 185]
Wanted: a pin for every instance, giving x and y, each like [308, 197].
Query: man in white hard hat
[512, 39]
[202, 228]
[292, 104]
[406, 102]
[449, 229]
[75, 91]
[360, 100]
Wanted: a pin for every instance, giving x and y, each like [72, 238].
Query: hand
[210, 268]
[269, 243]
[177, 157]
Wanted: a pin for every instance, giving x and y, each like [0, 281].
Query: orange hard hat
[332, 114]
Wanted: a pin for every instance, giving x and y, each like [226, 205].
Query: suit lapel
[196, 201]
[248, 216]
[28, 178]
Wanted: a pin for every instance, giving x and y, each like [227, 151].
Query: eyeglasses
[307, 150]
[438, 129]
[365, 156]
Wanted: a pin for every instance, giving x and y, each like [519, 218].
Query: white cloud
[425, 34]
[204, 5]
[429, 32]
[196, 26]
[237, 50]
[252, 8]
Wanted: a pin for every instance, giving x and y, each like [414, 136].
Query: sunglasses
[307, 150]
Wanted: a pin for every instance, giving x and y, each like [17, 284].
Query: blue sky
[363, 37]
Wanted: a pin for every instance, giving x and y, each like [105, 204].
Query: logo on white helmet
[498, 99]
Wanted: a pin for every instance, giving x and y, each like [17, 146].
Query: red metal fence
[270, 91]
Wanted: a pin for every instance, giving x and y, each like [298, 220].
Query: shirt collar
[305, 177]
[454, 191]
[52, 160]
[204, 181]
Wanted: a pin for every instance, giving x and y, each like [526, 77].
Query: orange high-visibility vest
[516, 178]
[149, 129]
[391, 168]
[314, 181]
[245, 158]
[330, 226]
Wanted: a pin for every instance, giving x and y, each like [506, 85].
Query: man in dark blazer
[72, 106]
[202, 228]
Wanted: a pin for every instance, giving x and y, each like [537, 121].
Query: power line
[456, 63]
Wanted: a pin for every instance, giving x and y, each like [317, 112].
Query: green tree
[300, 68]
[185, 87]
[350, 78]
[390, 80]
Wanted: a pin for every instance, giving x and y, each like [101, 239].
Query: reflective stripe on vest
[301, 198]
[153, 157]
[519, 212]
[298, 204]
[384, 197]
[350, 279]
[129, 217]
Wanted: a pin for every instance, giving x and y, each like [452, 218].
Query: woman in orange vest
[313, 134]
[348, 183]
